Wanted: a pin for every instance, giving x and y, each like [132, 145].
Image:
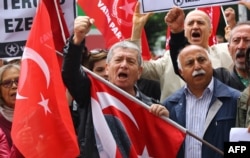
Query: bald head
[198, 28]
[191, 49]
[199, 13]
[195, 67]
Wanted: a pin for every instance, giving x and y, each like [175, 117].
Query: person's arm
[176, 43]
[231, 21]
[159, 110]
[175, 21]
[139, 21]
[4, 146]
[245, 3]
[74, 78]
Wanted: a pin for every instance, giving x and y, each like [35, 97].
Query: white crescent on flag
[31, 54]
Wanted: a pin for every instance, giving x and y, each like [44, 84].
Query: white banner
[16, 18]
[165, 5]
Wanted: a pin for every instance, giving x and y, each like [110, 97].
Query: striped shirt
[196, 112]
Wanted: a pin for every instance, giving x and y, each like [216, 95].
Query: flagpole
[224, 17]
[205, 142]
[184, 130]
[61, 26]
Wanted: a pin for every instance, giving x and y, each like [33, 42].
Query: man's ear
[107, 68]
[140, 69]
[180, 72]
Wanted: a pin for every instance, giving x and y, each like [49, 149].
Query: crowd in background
[203, 88]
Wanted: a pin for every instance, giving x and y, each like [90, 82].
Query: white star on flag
[144, 153]
[128, 8]
[44, 104]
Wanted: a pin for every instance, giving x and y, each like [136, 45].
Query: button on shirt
[196, 112]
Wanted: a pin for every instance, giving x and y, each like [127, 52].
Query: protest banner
[161, 6]
[16, 18]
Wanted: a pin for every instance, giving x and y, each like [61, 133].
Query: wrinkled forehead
[122, 50]
[241, 31]
[193, 51]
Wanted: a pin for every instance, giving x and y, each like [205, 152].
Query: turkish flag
[114, 20]
[167, 38]
[214, 14]
[42, 124]
[125, 127]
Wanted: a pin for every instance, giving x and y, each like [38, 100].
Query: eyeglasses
[97, 51]
[9, 83]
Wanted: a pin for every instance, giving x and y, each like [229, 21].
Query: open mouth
[196, 34]
[13, 95]
[122, 75]
[240, 54]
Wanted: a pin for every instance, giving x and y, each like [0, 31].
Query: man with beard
[239, 41]
[205, 106]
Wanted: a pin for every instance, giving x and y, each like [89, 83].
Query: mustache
[240, 53]
[199, 72]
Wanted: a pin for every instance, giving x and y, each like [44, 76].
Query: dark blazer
[220, 118]
[229, 78]
[78, 84]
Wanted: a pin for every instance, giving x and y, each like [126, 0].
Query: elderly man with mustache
[205, 106]
[239, 41]
[195, 22]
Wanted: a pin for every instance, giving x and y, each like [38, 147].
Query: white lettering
[243, 148]
[112, 25]
[106, 12]
[115, 30]
[231, 149]
[236, 149]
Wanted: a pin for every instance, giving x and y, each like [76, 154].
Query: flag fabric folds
[125, 127]
[214, 13]
[114, 20]
[42, 124]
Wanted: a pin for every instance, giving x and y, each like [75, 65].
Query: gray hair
[2, 70]
[125, 45]
[178, 57]
[236, 26]
[6, 67]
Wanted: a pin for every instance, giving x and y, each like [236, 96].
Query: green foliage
[156, 27]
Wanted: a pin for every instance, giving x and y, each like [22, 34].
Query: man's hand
[175, 19]
[231, 21]
[245, 3]
[82, 25]
[139, 21]
[230, 17]
[159, 110]
[227, 30]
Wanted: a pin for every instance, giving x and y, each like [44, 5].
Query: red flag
[214, 14]
[125, 128]
[114, 20]
[167, 38]
[42, 124]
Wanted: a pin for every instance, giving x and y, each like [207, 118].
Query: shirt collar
[209, 88]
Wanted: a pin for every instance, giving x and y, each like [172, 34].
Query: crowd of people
[203, 88]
